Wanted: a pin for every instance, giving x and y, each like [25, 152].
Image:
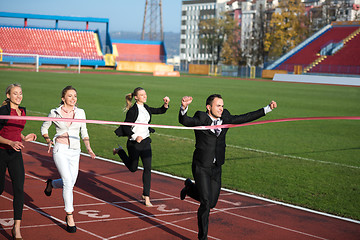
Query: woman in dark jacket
[138, 143]
[10, 151]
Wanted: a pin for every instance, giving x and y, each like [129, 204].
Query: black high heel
[70, 229]
[13, 235]
[48, 184]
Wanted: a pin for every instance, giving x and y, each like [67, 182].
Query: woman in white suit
[66, 151]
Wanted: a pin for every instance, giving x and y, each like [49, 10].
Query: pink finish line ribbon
[32, 118]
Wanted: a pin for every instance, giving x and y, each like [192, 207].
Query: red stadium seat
[49, 42]
[345, 61]
[310, 52]
[139, 52]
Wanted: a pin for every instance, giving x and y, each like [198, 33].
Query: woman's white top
[61, 127]
[143, 117]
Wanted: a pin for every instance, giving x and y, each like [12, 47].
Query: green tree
[288, 28]
[217, 33]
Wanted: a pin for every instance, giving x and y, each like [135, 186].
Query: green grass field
[314, 164]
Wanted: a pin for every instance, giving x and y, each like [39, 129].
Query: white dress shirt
[143, 117]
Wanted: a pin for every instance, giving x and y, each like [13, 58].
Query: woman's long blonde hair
[8, 90]
[129, 97]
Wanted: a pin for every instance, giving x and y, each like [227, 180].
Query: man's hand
[185, 101]
[272, 105]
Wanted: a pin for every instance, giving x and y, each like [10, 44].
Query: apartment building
[253, 16]
[191, 51]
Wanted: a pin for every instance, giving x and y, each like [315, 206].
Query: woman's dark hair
[63, 93]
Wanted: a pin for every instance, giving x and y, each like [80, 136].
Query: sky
[123, 15]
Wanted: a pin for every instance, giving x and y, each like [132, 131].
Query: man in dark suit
[209, 152]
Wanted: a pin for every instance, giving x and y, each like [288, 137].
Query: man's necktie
[217, 130]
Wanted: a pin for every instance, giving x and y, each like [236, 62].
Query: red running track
[107, 206]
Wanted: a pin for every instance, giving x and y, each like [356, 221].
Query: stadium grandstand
[54, 45]
[141, 56]
[82, 47]
[335, 49]
[140, 51]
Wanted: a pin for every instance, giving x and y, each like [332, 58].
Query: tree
[288, 28]
[231, 51]
[357, 16]
[253, 51]
[217, 33]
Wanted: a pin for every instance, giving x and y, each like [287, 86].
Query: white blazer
[61, 127]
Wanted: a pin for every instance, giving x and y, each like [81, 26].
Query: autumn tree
[288, 28]
[218, 38]
[231, 53]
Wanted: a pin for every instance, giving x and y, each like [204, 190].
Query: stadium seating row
[344, 61]
[140, 52]
[72, 43]
[309, 53]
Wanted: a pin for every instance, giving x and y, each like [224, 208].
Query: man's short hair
[211, 98]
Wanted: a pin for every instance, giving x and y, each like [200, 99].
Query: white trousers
[67, 163]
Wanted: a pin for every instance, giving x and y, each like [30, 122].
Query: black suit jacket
[132, 115]
[208, 146]
[5, 110]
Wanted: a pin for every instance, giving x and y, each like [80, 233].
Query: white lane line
[267, 223]
[270, 153]
[160, 225]
[220, 210]
[215, 211]
[115, 205]
[53, 218]
[152, 217]
[228, 190]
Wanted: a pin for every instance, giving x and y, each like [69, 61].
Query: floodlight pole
[152, 12]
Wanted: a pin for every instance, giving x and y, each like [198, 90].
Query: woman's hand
[87, 145]
[166, 101]
[17, 146]
[139, 139]
[30, 137]
[48, 141]
[92, 154]
[50, 144]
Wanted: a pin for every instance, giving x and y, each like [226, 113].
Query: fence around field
[241, 71]
[37, 60]
[322, 68]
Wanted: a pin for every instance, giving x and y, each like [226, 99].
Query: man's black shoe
[185, 190]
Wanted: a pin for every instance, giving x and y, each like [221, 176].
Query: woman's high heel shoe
[13, 235]
[116, 150]
[70, 229]
[48, 185]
